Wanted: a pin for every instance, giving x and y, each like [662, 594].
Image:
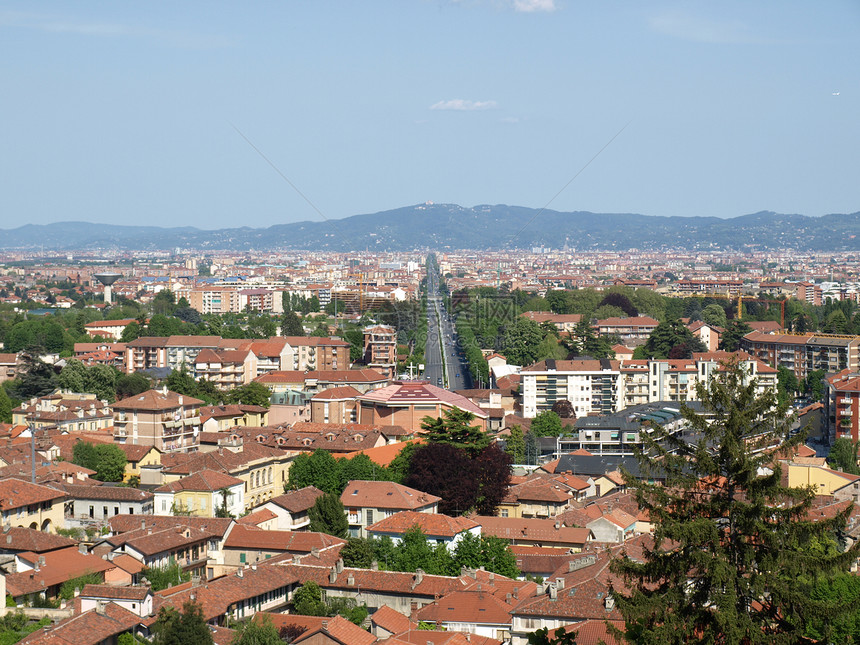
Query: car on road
[439, 381]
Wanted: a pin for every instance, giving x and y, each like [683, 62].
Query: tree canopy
[328, 515]
[735, 552]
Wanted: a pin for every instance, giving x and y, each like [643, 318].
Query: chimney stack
[240, 572]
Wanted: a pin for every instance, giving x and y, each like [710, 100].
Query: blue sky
[125, 111]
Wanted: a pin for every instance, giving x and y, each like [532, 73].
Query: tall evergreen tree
[291, 325]
[327, 515]
[455, 428]
[181, 628]
[733, 558]
[516, 445]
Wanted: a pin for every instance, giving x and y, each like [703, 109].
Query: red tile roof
[389, 495]
[432, 524]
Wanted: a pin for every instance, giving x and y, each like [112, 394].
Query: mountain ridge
[481, 227]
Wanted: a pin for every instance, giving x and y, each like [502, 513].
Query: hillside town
[302, 443]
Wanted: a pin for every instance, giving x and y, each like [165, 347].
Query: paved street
[457, 376]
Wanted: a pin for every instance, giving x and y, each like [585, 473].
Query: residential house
[31, 505]
[368, 501]
[565, 323]
[88, 505]
[137, 600]
[291, 509]
[167, 420]
[438, 528]
[66, 411]
[219, 418]
[250, 545]
[202, 494]
[226, 368]
[43, 574]
[474, 612]
[534, 532]
[336, 405]
[107, 328]
[100, 626]
[8, 366]
[315, 381]
[805, 353]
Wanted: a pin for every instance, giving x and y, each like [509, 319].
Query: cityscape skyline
[133, 116]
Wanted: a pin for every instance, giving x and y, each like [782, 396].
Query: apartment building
[633, 330]
[380, 349]
[167, 420]
[107, 328]
[565, 323]
[67, 411]
[730, 287]
[313, 382]
[842, 405]
[226, 368]
[591, 386]
[607, 386]
[805, 353]
[316, 353]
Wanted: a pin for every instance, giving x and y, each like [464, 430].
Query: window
[369, 516]
[92, 512]
[104, 511]
[503, 512]
[241, 558]
[116, 510]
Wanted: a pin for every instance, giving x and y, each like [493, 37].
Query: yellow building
[202, 494]
[31, 505]
[263, 470]
[824, 480]
[139, 459]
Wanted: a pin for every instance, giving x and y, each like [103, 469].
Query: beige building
[31, 505]
[263, 470]
[67, 411]
[169, 421]
[380, 349]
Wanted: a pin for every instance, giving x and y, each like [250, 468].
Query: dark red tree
[445, 471]
[621, 301]
[492, 469]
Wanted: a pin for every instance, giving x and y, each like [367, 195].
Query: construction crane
[741, 300]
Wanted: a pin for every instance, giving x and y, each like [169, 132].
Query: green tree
[181, 382]
[250, 394]
[547, 424]
[131, 332]
[187, 627]
[413, 552]
[328, 515]
[358, 552]
[101, 381]
[672, 339]
[532, 451]
[73, 376]
[561, 637]
[843, 455]
[730, 339]
[36, 378]
[786, 384]
[67, 589]
[5, 407]
[813, 385]
[520, 341]
[516, 445]
[110, 462]
[731, 561]
[714, 315]
[318, 469]
[455, 428]
[257, 632]
[308, 600]
[399, 466]
[84, 454]
[291, 325]
[162, 577]
[130, 384]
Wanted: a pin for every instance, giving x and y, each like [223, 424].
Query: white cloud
[681, 24]
[464, 105]
[530, 6]
[58, 25]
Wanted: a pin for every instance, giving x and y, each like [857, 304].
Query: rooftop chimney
[82, 548]
[332, 575]
[374, 565]
[339, 565]
[240, 572]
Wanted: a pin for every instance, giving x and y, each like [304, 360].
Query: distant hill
[441, 226]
